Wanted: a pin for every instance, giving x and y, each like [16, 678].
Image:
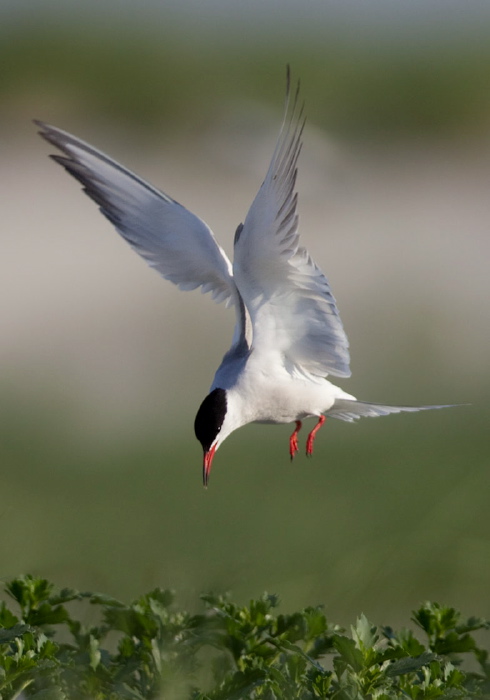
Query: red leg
[293, 440]
[311, 436]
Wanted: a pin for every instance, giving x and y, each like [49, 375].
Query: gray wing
[179, 245]
[289, 299]
[349, 410]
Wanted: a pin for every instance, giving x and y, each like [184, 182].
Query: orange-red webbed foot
[293, 440]
[311, 436]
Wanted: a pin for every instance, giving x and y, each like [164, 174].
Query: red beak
[206, 465]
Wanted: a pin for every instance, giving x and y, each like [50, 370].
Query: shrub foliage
[150, 649]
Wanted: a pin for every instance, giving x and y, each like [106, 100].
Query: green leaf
[320, 683]
[8, 635]
[164, 596]
[7, 618]
[409, 664]
[94, 653]
[348, 651]
[101, 599]
[29, 591]
[472, 624]
[45, 614]
[364, 633]
[132, 622]
[454, 644]
[66, 595]
[240, 685]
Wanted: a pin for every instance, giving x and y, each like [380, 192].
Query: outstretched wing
[179, 245]
[291, 306]
[349, 410]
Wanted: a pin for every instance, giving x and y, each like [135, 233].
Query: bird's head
[211, 427]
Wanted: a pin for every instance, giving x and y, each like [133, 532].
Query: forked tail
[349, 410]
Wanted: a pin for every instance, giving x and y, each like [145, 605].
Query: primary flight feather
[288, 335]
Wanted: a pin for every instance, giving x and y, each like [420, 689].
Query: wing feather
[178, 244]
[289, 299]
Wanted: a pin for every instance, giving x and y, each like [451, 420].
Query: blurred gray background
[103, 364]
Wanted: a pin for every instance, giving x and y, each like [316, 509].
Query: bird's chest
[268, 398]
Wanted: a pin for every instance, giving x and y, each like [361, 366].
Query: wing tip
[56, 137]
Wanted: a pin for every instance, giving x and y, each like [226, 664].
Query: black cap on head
[210, 417]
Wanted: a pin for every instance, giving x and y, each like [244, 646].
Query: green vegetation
[149, 649]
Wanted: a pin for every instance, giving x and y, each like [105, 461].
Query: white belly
[284, 399]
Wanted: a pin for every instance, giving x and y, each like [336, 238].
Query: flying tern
[288, 336]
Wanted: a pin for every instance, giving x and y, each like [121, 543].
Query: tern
[288, 335]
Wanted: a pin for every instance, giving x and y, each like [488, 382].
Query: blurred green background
[103, 365]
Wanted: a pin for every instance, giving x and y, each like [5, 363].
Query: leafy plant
[149, 649]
